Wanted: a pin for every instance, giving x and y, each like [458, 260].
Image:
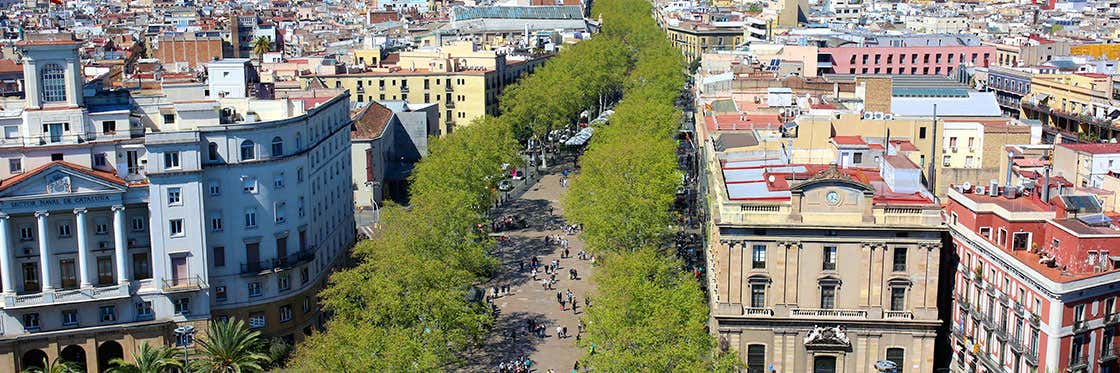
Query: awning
[580, 137]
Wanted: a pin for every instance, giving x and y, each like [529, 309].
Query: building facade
[907, 60]
[814, 270]
[1010, 87]
[125, 216]
[1034, 289]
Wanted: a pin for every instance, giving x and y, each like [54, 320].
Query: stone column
[120, 245]
[6, 255]
[83, 248]
[45, 264]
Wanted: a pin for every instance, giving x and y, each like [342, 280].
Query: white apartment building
[123, 215]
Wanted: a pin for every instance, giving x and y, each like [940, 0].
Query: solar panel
[1083, 204]
[1096, 220]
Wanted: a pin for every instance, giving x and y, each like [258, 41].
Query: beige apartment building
[462, 79]
[828, 276]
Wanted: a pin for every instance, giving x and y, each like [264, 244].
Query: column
[6, 256]
[83, 248]
[45, 264]
[121, 245]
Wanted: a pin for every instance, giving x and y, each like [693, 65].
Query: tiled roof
[1093, 148]
[371, 121]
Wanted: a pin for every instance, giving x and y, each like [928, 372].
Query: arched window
[248, 153]
[54, 83]
[277, 146]
[212, 151]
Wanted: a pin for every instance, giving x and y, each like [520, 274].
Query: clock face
[832, 198]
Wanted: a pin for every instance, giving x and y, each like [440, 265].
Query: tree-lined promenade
[404, 306]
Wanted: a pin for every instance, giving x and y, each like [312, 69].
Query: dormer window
[54, 83]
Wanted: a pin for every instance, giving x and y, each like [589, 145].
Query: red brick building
[190, 51]
[1035, 286]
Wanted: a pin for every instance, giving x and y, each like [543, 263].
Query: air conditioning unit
[979, 190]
[867, 116]
[888, 116]
[878, 116]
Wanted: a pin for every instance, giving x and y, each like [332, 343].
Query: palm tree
[229, 346]
[278, 351]
[148, 360]
[261, 46]
[56, 366]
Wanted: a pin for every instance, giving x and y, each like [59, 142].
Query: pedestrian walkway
[528, 299]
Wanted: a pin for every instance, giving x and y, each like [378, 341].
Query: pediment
[57, 180]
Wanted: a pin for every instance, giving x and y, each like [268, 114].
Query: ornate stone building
[822, 269]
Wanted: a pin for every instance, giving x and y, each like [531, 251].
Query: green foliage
[261, 45]
[229, 346]
[56, 366]
[654, 320]
[404, 305]
[148, 359]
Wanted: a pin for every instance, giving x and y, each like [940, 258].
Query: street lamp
[185, 335]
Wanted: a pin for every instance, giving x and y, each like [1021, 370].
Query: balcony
[278, 264]
[1080, 325]
[66, 296]
[898, 315]
[1109, 353]
[758, 312]
[1111, 319]
[1031, 357]
[1078, 362]
[184, 284]
[1015, 345]
[828, 313]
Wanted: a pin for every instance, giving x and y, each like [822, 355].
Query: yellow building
[464, 81]
[1075, 105]
[694, 39]
[1106, 51]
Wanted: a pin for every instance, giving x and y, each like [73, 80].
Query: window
[31, 321]
[824, 364]
[175, 228]
[986, 232]
[304, 276]
[26, 233]
[220, 293]
[758, 257]
[897, 356]
[1078, 314]
[54, 83]
[249, 184]
[828, 296]
[215, 188]
[219, 256]
[137, 224]
[277, 146]
[299, 175]
[250, 218]
[256, 320]
[278, 181]
[756, 358]
[254, 289]
[70, 318]
[946, 161]
[108, 313]
[174, 196]
[279, 211]
[758, 296]
[857, 157]
[169, 118]
[216, 222]
[15, 165]
[248, 153]
[829, 260]
[286, 313]
[212, 151]
[64, 230]
[109, 127]
[183, 306]
[306, 304]
[898, 298]
[170, 160]
[284, 281]
[921, 132]
[101, 228]
[144, 310]
[99, 160]
[900, 259]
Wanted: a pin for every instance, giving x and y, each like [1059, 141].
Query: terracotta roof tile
[371, 121]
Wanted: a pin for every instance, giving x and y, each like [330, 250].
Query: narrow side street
[528, 299]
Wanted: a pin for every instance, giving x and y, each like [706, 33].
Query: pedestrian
[520, 265]
[586, 301]
[534, 274]
[559, 332]
[575, 367]
[577, 337]
[559, 296]
[565, 329]
[565, 252]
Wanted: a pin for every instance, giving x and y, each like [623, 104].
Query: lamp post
[185, 335]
